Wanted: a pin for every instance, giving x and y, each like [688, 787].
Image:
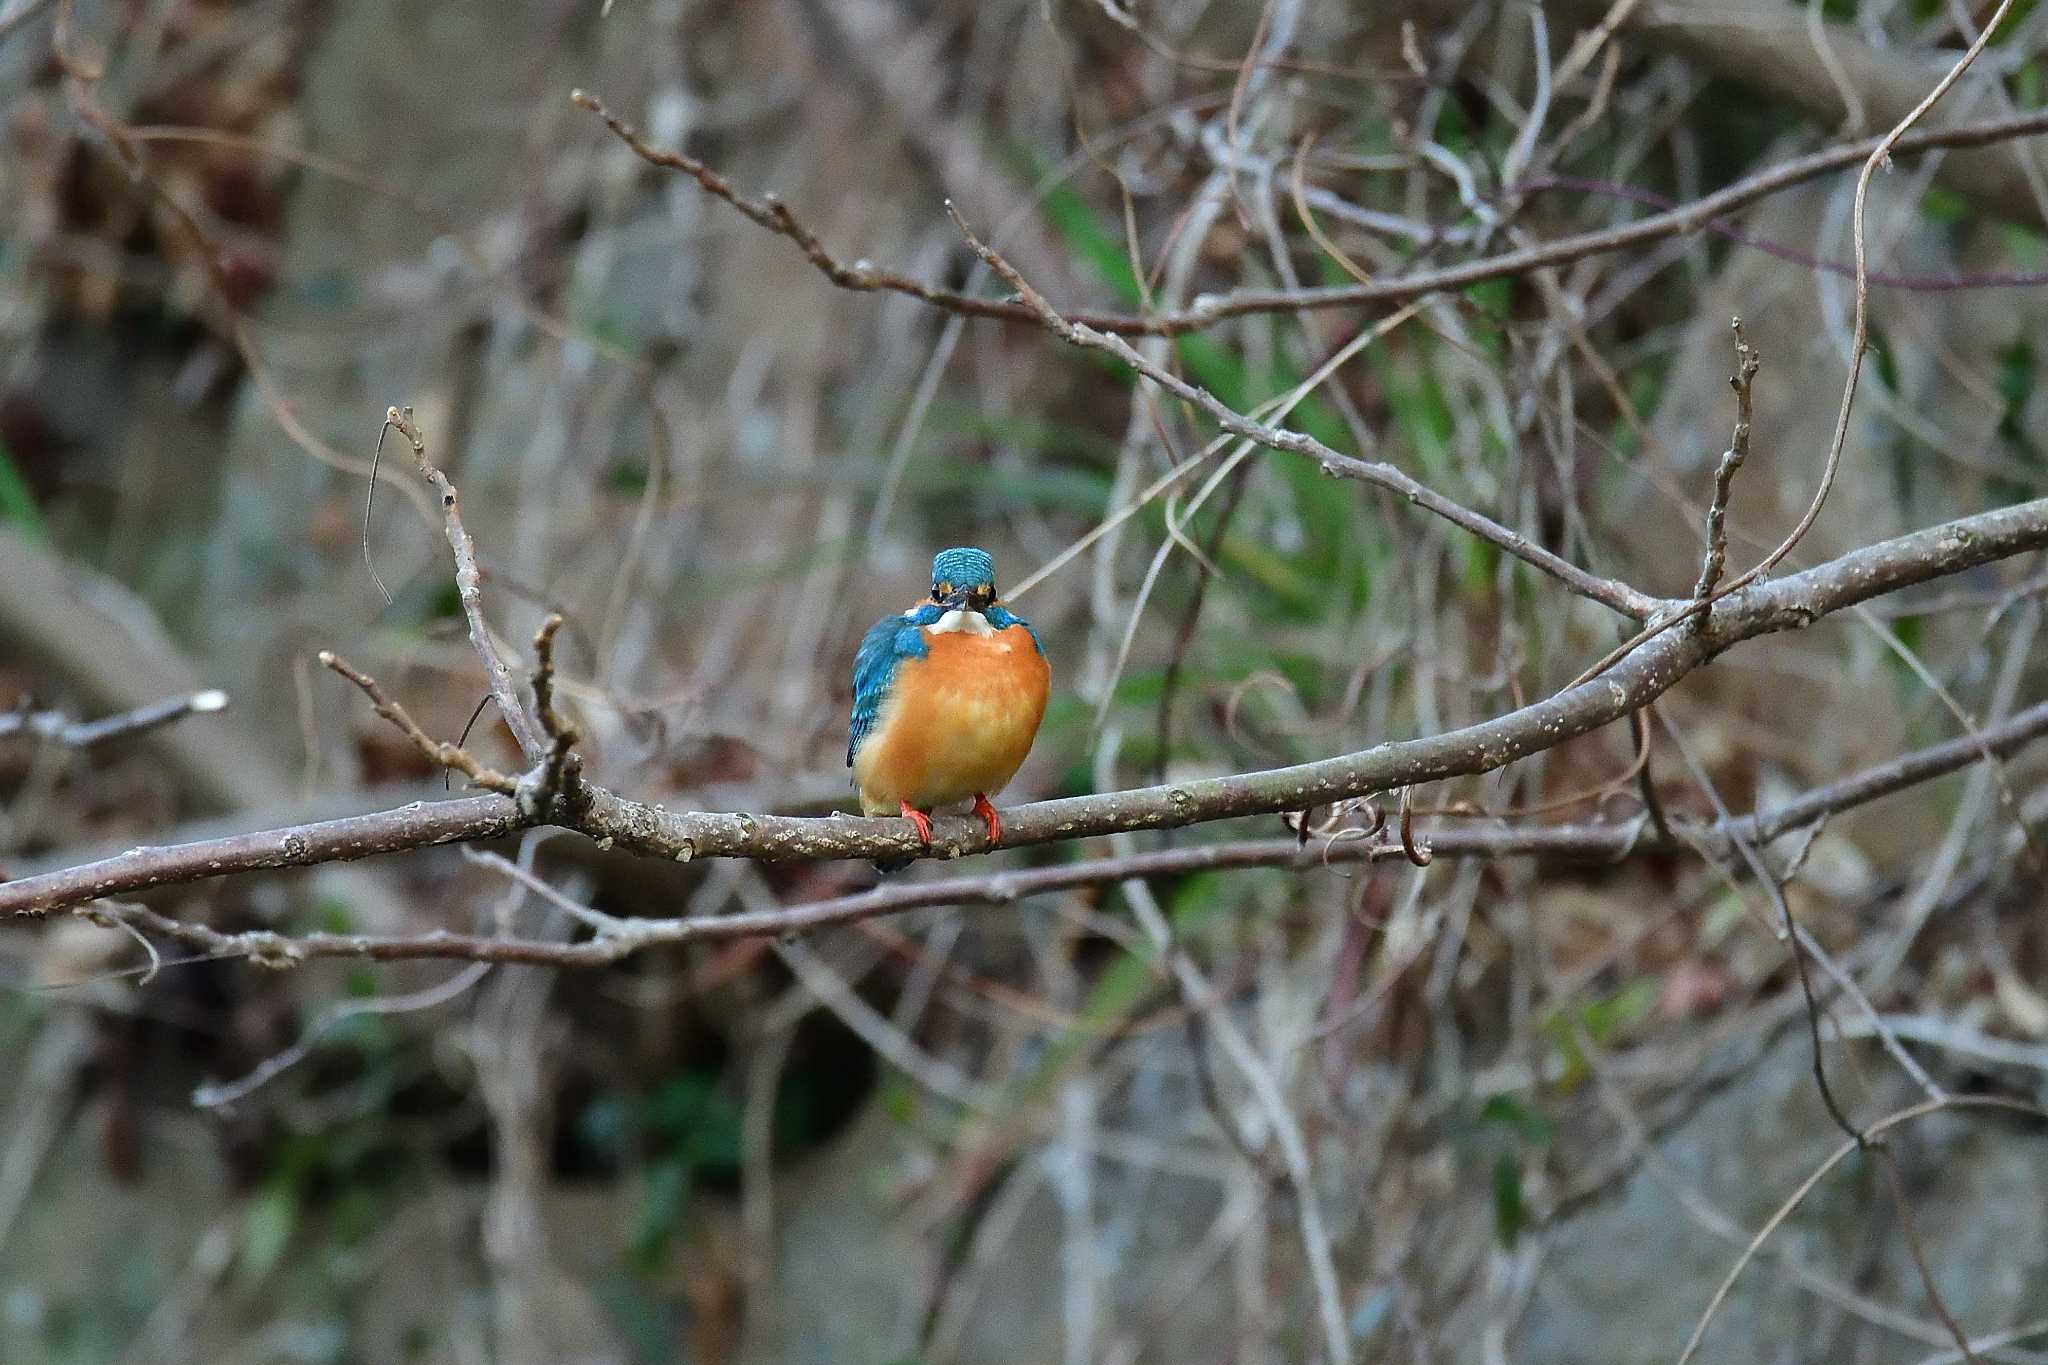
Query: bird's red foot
[918, 818]
[989, 817]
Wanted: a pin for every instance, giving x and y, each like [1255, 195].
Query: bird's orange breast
[957, 722]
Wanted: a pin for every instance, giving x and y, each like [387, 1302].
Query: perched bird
[946, 699]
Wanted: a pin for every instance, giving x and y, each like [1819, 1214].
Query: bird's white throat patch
[962, 622]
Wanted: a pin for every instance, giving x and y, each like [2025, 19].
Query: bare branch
[1880, 154]
[56, 727]
[1613, 593]
[556, 778]
[487, 817]
[469, 588]
[438, 752]
[1834, 1159]
[1743, 381]
[1210, 310]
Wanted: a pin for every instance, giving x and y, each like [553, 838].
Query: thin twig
[556, 776]
[1888, 1162]
[1612, 593]
[1743, 382]
[1210, 310]
[469, 588]
[438, 752]
[1806, 1187]
[55, 727]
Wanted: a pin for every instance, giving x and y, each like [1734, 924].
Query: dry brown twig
[1743, 382]
[1801, 945]
[438, 752]
[1208, 311]
[554, 783]
[469, 587]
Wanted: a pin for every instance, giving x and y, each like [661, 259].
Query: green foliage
[1602, 1021]
[267, 1226]
[1482, 562]
[1943, 205]
[1507, 1112]
[1510, 1214]
[2028, 85]
[2017, 375]
[1301, 580]
[658, 1216]
[2011, 24]
[1101, 252]
[272, 1216]
[687, 1128]
[1512, 1132]
[445, 604]
[626, 478]
[1644, 385]
[697, 1120]
[20, 1017]
[2018, 372]
[17, 503]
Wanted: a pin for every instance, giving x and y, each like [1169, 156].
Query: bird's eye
[940, 591]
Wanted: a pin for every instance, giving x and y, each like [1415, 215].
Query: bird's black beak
[957, 600]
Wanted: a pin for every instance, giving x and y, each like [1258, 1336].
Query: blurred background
[1540, 1108]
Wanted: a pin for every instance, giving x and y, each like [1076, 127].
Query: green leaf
[1101, 250]
[1944, 205]
[703, 1121]
[1510, 1215]
[900, 1101]
[1604, 1019]
[1600, 1020]
[267, 1226]
[17, 504]
[662, 1196]
[2028, 85]
[1511, 1113]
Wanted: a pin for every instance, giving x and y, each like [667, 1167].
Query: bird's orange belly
[958, 722]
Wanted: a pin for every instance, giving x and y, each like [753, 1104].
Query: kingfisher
[947, 698]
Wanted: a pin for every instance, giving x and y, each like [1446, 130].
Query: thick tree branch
[1784, 604]
[1599, 843]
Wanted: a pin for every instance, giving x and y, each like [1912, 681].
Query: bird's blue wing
[887, 644]
[1002, 618]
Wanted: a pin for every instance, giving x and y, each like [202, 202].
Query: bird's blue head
[964, 577]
